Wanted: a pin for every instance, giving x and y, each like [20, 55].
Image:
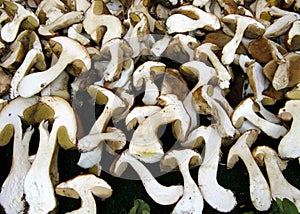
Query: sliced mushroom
[145, 144]
[244, 25]
[49, 10]
[74, 32]
[259, 189]
[85, 187]
[160, 194]
[144, 75]
[280, 26]
[188, 18]
[289, 146]
[77, 55]
[246, 109]
[5, 81]
[191, 201]
[9, 31]
[11, 125]
[280, 187]
[217, 196]
[293, 36]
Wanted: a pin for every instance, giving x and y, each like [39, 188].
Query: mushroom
[259, 189]
[5, 81]
[15, 56]
[9, 30]
[244, 25]
[160, 194]
[246, 109]
[38, 186]
[289, 146]
[145, 74]
[74, 32]
[280, 187]
[61, 22]
[11, 124]
[294, 94]
[114, 27]
[145, 144]
[192, 200]
[49, 10]
[223, 74]
[113, 106]
[85, 187]
[292, 41]
[217, 196]
[35, 82]
[188, 18]
[280, 26]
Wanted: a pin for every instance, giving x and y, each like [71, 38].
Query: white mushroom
[74, 32]
[280, 26]
[246, 109]
[259, 189]
[192, 200]
[289, 146]
[217, 196]
[35, 82]
[10, 117]
[160, 194]
[280, 187]
[85, 187]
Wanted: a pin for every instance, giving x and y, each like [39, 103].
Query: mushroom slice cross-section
[246, 110]
[10, 117]
[217, 196]
[259, 189]
[243, 24]
[84, 187]
[280, 187]
[192, 200]
[289, 146]
[144, 75]
[160, 194]
[145, 144]
[71, 53]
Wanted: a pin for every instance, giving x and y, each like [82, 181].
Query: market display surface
[166, 106]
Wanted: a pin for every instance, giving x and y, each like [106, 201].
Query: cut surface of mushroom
[289, 145]
[217, 196]
[160, 194]
[192, 200]
[35, 82]
[259, 189]
[85, 187]
[280, 187]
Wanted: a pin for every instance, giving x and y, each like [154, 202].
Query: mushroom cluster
[144, 66]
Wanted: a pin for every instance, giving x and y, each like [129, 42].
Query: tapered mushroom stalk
[114, 105]
[145, 144]
[38, 184]
[289, 145]
[192, 200]
[259, 189]
[10, 117]
[71, 53]
[280, 187]
[160, 194]
[218, 197]
[85, 187]
[144, 75]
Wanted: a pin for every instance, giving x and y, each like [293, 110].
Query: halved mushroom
[191, 201]
[188, 18]
[246, 109]
[280, 187]
[289, 146]
[85, 187]
[259, 189]
[9, 31]
[77, 56]
[244, 25]
[145, 144]
[218, 197]
[160, 194]
[11, 125]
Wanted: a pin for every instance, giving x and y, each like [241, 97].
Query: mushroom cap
[88, 182]
[254, 30]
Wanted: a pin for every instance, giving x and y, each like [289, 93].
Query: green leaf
[289, 207]
[140, 207]
[279, 204]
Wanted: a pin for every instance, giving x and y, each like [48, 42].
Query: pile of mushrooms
[148, 65]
